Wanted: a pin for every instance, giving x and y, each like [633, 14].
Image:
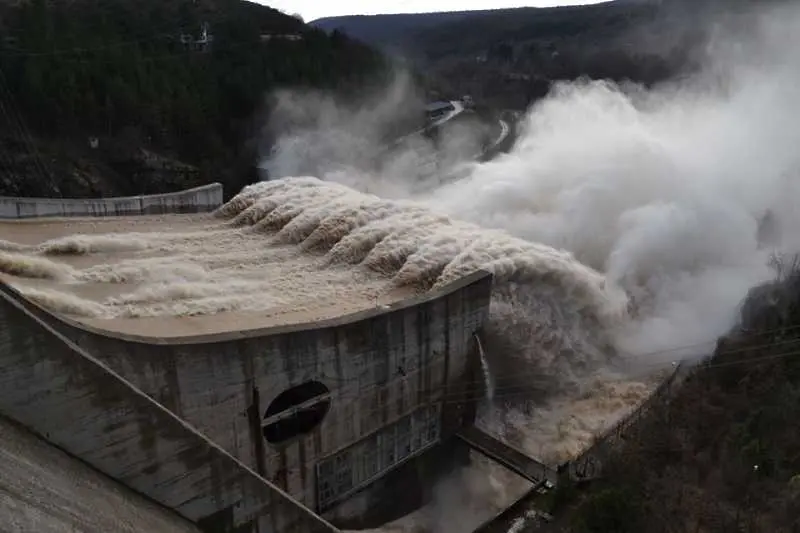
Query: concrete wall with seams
[384, 367]
[59, 392]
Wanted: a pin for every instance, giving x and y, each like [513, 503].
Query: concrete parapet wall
[56, 390]
[198, 200]
[381, 366]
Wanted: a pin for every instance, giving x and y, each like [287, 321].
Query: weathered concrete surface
[197, 200]
[62, 394]
[380, 365]
[43, 489]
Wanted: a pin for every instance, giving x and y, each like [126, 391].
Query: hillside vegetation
[724, 455]
[509, 57]
[392, 32]
[140, 75]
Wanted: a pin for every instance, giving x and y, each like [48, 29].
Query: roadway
[458, 108]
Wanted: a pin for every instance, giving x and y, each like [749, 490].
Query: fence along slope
[588, 465]
[59, 392]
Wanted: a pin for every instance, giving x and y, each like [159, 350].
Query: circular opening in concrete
[296, 411]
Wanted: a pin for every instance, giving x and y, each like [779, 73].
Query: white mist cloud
[662, 190]
[357, 145]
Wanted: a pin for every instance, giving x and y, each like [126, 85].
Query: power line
[508, 392]
[15, 120]
[461, 394]
[522, 391]
[371, 368]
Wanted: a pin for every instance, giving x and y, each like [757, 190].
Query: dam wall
[48, 491]
[198, 200]
[60, 393]
[325, 410]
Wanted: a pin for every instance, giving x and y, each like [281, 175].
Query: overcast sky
[314, 9]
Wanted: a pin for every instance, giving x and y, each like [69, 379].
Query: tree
[88, 68]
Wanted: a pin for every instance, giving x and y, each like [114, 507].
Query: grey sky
[314, 9]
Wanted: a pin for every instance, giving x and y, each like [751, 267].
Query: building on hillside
[200, 43]
[436, 110]
[293, 37]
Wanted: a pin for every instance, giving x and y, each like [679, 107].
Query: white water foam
[658, 202]
[415, 247]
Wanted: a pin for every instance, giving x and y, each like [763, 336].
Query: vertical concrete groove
[89, 409]
[256, 438]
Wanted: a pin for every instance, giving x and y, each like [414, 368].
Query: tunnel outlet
[296, 411]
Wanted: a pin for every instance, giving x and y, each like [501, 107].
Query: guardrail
[197, 200]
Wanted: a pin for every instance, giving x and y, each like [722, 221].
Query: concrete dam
[286, 427]
[168, 369]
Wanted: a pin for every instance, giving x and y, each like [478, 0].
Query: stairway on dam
[542, 476]
[508, 456]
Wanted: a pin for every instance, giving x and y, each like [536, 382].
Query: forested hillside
[391, 32]
[509, 57]
[184, 78]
